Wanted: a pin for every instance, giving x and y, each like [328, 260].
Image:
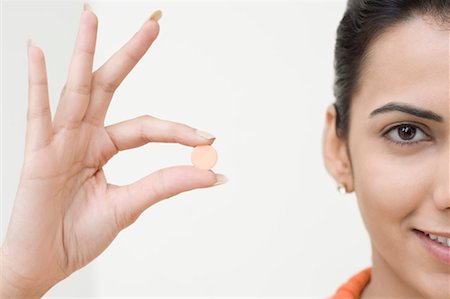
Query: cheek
[389, 186]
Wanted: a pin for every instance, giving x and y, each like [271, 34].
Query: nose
[442, 189]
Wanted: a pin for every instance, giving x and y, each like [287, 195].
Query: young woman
[387, 139]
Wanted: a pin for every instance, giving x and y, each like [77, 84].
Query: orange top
[353, 288]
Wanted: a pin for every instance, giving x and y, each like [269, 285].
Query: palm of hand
[74, 201]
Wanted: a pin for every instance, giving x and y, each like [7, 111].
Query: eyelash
[400, 143]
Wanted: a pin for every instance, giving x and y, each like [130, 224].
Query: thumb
[131, 200]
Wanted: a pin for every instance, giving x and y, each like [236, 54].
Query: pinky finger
[39, 121]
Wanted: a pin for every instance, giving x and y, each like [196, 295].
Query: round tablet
[204, 157]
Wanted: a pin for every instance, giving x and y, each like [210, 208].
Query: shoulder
[353, 287]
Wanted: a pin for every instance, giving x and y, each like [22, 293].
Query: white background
[258, 75]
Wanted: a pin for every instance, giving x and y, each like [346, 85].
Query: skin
[399, 188]
[65, 212]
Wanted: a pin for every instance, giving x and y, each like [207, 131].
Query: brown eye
[405, 134]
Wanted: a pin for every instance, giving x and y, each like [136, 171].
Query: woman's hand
[65, 213]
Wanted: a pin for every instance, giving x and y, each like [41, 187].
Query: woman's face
[402, 187]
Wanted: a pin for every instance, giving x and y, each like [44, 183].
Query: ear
[335, 152]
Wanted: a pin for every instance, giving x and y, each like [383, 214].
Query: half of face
[399, 147]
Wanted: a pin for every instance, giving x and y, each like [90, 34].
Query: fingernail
[156, 15]
[220, 179]
[204, 134]
[30, 43]
[87, 7]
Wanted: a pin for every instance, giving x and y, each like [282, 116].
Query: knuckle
[113, 138]
[106, 86]
[86, 50]
[159, 185]
[124, 216]
[173, 132]
[68, 125]
[132, 57]
[39, 113]
[144, 122]
[146, 118]
[38, 84]
[82, 90]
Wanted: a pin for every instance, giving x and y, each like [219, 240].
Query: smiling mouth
[436, 238]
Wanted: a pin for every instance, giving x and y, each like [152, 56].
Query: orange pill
[204, 157]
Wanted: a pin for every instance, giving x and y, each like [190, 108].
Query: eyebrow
[408, 109]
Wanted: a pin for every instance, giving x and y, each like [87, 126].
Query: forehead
[407, 63]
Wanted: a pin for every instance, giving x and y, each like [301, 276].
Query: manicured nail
[156, 15]
[204, 134]
[87, 7]
[30, 43]
[220, 179]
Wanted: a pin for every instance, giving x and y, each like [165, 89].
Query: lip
[439, 251]
[436, 233]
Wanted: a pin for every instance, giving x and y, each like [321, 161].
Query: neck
[385, 283]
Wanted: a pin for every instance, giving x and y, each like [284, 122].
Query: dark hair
[362, 23]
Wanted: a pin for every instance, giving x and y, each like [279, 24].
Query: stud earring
[342, 188]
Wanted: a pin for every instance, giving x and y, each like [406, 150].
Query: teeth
[443, 240]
